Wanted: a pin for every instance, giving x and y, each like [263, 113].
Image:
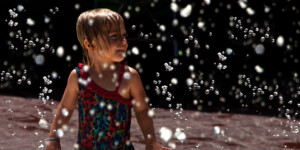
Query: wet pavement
[20, 128]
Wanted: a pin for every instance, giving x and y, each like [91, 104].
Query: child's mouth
[120, 50]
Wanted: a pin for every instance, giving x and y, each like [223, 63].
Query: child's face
[118, 43]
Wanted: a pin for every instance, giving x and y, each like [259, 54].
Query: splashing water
[165, 133]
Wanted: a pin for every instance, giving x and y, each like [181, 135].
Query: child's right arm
[68, 101]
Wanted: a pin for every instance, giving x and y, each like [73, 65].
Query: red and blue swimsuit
[104, 116]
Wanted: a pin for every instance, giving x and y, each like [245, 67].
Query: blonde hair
[95, 22]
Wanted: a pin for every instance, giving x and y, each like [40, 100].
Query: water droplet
[200, 24]
[92, 112]
[217, 130]
[86, 68]
[146, 36]
[30, 22]
[74, 47]
[41, 146]
[19, 81]
[174, 81]
[157, 74]
[162, 28]
[250, 11]
[150, 45]
[10, 23]
[189, 81]
[186, 41]
[267, 9]
[113, 67]
[54, 75]
[207, 2]
[150, 113]
[91, 22]
[133, 27]
[179, 134]
[191, 68]
[267, 35]
[242, 4]
[158, 48]
[259, 69]
[206, 46]
[126, 14]
[175, 22]
[43, 123]
[77, 6]
[175, 61]
[46, 19]
[39, 59]
[127, 75]
[60, 51]
[20, 8]
[60, 133]
[65, 112]
[207, 91]
[109, 107]
[42, 49]
[259, 49]
[135, 51]
[76, 146]
[168, 67]
[229, 51]
[186, 11]
[165, 134]
[174, 7]
[137, 9]
[280, 41]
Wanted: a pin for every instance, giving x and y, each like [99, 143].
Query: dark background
[280, 64]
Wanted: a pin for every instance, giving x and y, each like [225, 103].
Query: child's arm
[141, 110]
[68, 101]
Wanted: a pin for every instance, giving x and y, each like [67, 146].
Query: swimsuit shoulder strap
[79, 69]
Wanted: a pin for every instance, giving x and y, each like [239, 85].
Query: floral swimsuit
[104, 116]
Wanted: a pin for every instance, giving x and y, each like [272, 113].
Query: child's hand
[53, 146]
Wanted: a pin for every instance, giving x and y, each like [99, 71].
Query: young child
[104, 89]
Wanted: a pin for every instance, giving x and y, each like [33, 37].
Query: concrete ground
[20, 129]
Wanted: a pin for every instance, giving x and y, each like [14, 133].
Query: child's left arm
[141, 109]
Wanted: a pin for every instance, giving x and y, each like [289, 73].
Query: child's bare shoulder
[133, 73]
[73, 75]
[73, 78]
[135, 79]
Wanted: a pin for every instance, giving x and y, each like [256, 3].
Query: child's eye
[125, 36]
[113, 36]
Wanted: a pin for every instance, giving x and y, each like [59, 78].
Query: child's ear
[88, 45]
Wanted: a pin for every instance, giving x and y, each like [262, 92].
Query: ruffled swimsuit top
[104, 116]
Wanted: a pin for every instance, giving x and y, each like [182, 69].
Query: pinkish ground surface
[20, 129]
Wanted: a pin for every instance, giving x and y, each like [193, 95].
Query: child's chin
[119, 59]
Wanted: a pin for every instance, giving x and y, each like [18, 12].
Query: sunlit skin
[129, 89]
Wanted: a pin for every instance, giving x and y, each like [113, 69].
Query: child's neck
[101, 66]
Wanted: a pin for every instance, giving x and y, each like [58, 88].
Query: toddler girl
[104, 88]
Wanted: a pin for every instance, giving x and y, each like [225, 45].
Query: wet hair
[93, 23]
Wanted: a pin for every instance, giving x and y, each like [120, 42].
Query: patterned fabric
[104, 116]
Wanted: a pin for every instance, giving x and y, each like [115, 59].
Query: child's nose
[123, 41]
